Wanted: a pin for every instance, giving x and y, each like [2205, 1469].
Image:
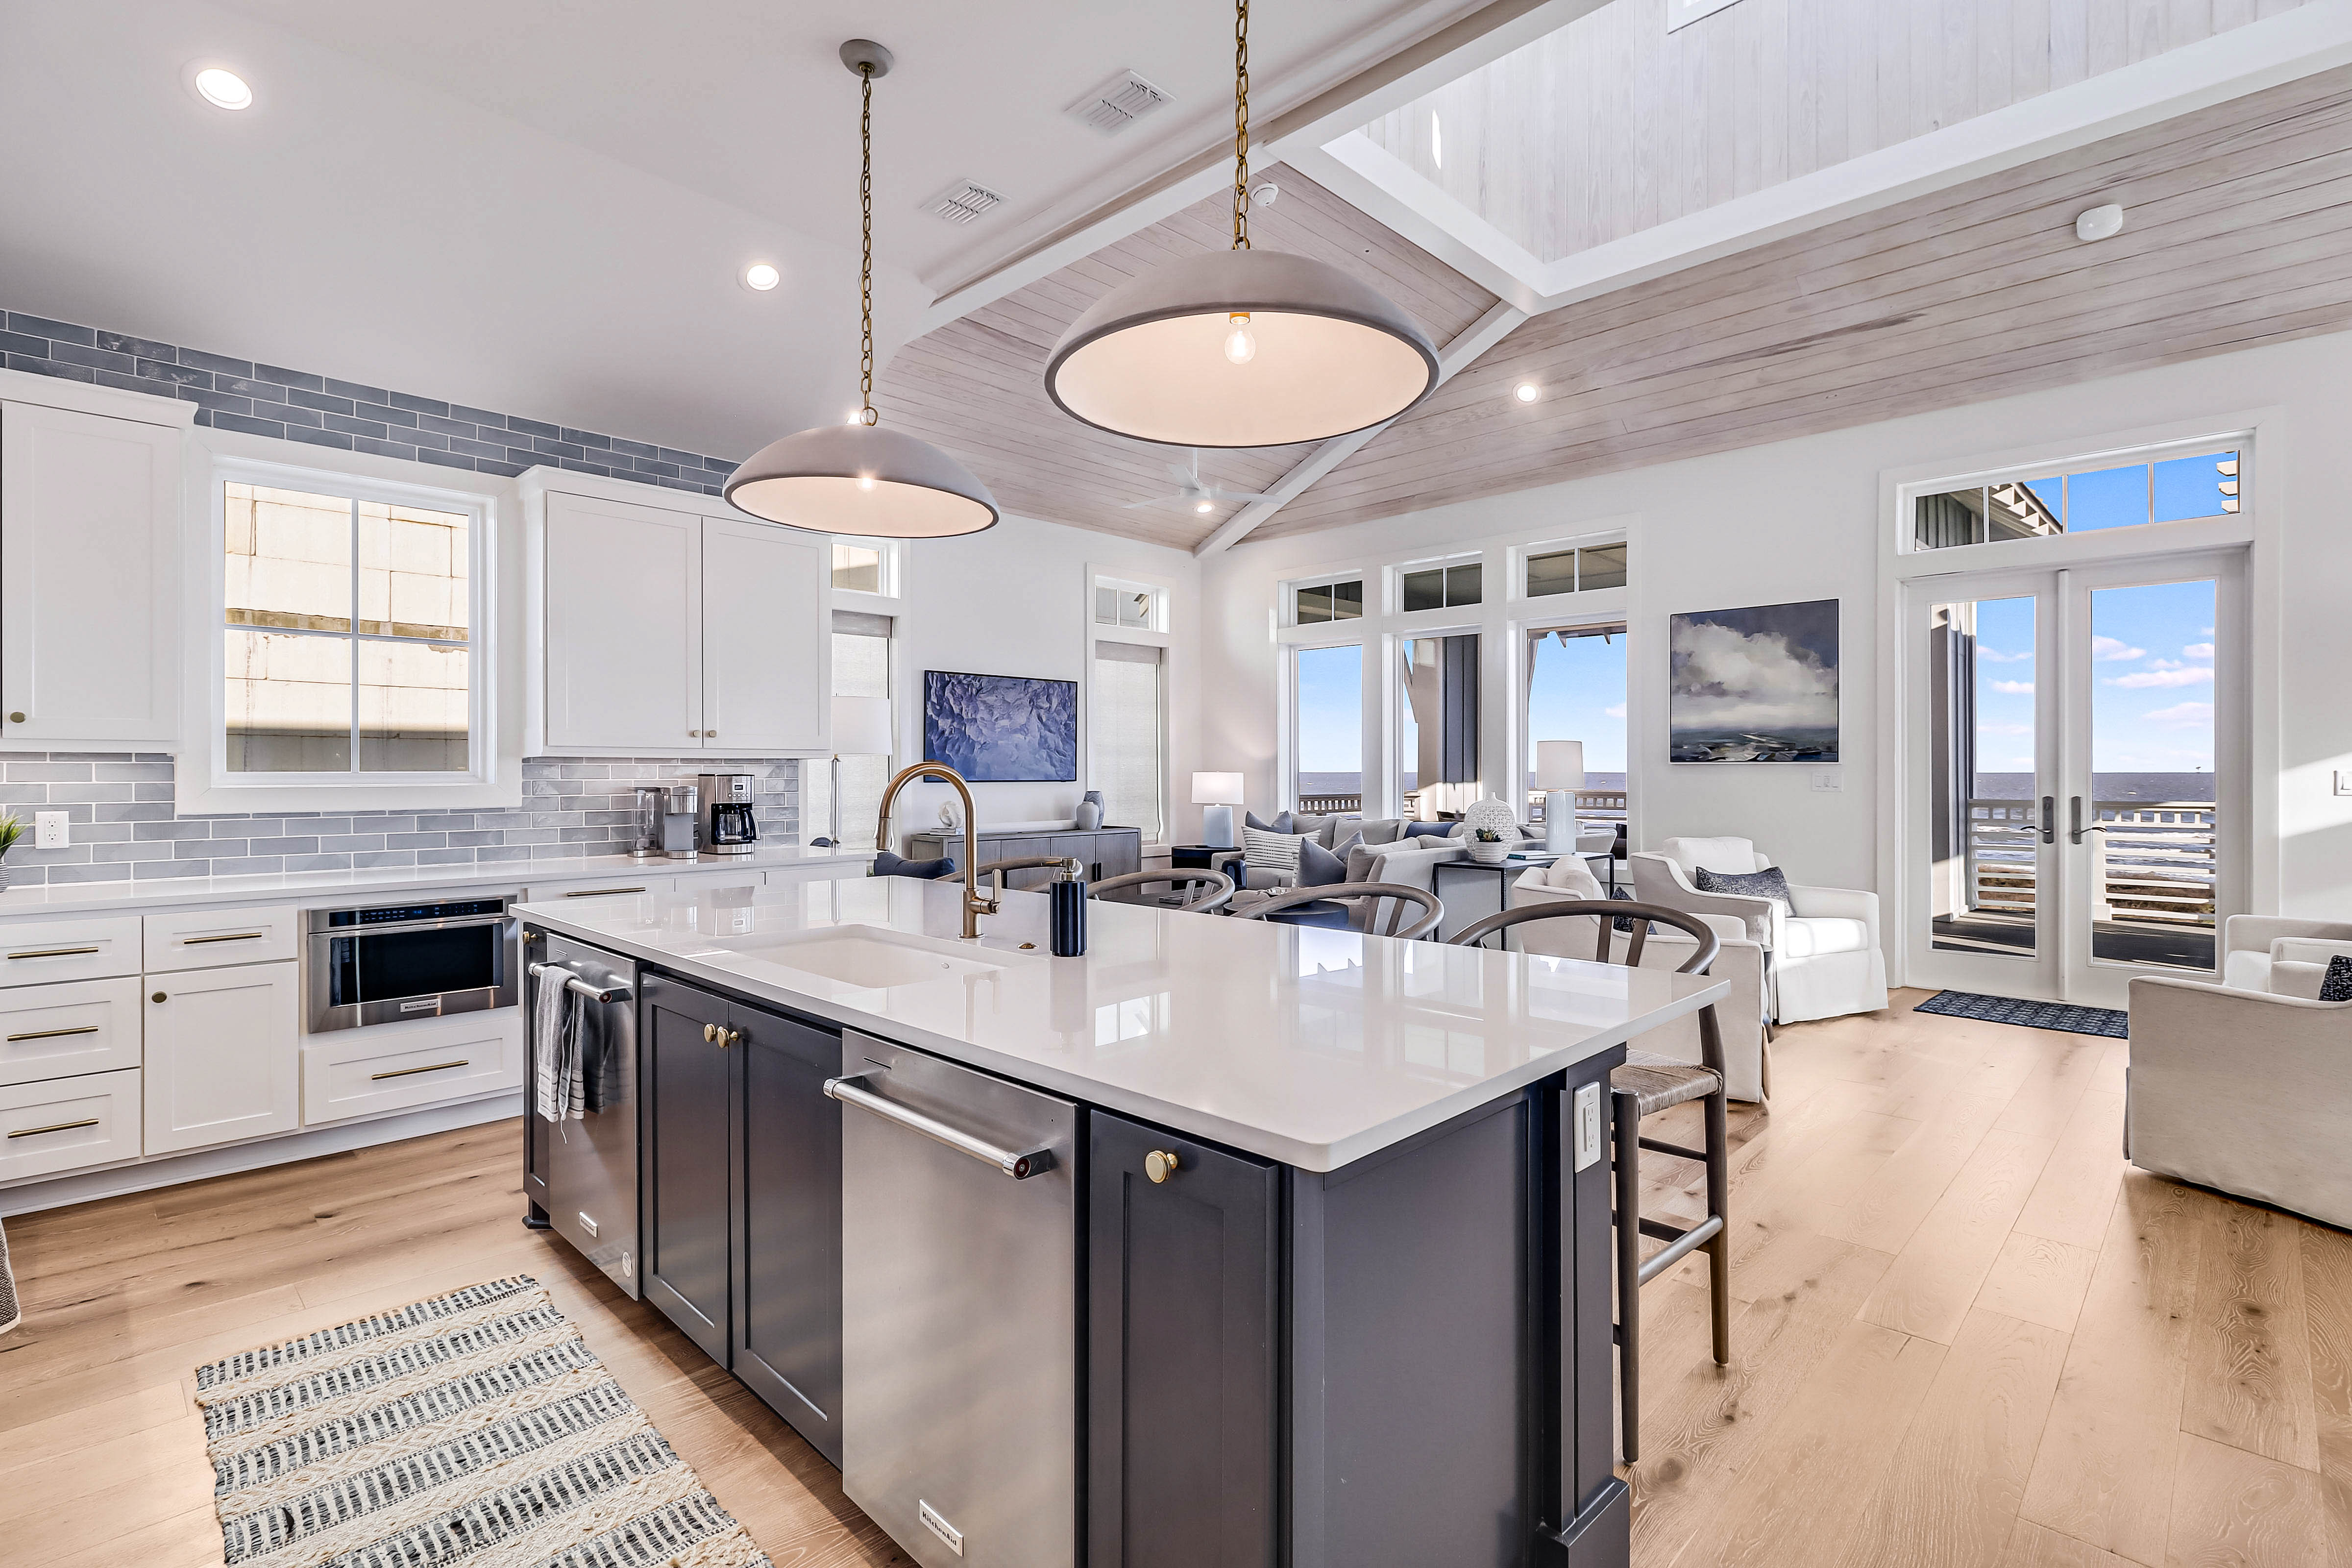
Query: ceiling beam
[1476, 339]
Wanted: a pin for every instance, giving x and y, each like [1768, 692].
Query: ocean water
[2105, 786]
[1353, 783]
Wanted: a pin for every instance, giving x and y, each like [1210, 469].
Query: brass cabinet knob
[709, 1034]
[1160, 1164]
[15, 718]
[729, 1038]
[159, 996]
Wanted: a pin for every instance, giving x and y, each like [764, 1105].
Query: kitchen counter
[329, 887]
[1308, 1047]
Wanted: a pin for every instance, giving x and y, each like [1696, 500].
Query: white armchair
[2284, 957]
[1747, 1053]
[1822, 954]
[2242, 1089]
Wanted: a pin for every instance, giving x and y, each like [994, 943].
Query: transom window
[1440, 587]
[2098, 495]
[349, 623]
[858, 568]
[1136, 607]
[1578, 571]
[1316, 603]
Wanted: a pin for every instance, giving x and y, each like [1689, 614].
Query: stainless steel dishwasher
[583, 1174]
[959, 1329]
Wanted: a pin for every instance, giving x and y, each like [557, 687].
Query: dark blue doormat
[2107, 1021]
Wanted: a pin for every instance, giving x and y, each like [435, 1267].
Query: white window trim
[1101, 576]
[1157, 634]
[1584, 600]
[1285, 608]
[202, 784]
[895, 563]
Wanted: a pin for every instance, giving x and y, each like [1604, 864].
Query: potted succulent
[12, 828]
[1488, 847]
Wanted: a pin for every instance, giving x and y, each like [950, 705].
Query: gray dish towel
[10, 1314]
[555, 1049]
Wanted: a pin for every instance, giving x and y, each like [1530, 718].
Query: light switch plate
[1588, 1127]
[1828, 782]
[50, 831]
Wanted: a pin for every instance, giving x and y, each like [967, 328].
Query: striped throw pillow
[1278, 852]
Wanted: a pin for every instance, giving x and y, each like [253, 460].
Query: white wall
[1803, 519]
[1017, 600]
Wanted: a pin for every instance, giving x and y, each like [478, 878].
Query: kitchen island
[1227, 1242]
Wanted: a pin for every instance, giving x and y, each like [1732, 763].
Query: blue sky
[2151, 673]
[1579, 694]
[1330, 709]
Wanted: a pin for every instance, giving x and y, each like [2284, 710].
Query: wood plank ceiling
[977, 385]
[2238, 231]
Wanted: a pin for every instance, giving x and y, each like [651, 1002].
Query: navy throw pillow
[1430, 829]
[888, 865]
[2336, 985]
[1279, 824]
[1318, 866]
[1769, 883]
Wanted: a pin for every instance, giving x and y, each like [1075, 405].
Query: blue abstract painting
[1001, 728]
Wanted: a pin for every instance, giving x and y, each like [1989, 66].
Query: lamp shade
[861, 727]
[861, 479]
[1216, 789]
[1560, 764]
[1327, 354]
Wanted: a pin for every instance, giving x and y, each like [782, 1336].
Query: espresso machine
[728, 824]
[667, 819]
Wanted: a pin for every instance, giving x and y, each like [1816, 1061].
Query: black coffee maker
[729, 827]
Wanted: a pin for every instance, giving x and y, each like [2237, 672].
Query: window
[1134, 606]
[1440, 587]
[1327, 710]
[1576, 691]
[1437, 724]
[1316, 603]
[1578, 571]
[1129, 726]
[2110, 495]
[348, 624]
[861, 668]
[860, 568]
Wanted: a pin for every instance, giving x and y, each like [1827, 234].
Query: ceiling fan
[1193, 491]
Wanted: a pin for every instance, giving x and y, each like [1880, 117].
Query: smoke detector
[1118, 103]
[962, 202]
[2099, 223]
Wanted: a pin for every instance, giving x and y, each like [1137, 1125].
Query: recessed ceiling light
[223, 88]
[1527, 392]
[1204, 508]
[761, 277]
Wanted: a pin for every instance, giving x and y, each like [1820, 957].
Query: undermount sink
[873, 957]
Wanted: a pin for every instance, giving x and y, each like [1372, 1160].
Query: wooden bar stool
[1644, 1086]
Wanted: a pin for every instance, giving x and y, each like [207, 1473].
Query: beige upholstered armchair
[1746, 1052]
[1824, 955]
[2284, 957]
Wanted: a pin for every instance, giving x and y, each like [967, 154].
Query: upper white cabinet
[666, 632]
[90, 508]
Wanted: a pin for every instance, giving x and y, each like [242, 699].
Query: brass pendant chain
[866, 414]
[1241, 125]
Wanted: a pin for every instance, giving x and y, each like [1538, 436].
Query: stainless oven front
[386, 964]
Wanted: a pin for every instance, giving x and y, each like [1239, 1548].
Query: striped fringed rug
[474, 1429]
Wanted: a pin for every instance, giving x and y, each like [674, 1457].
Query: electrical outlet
[1587, 1130]
[50, 831]
[1827, 781]
[2344, 781]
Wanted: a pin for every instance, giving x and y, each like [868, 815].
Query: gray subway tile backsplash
[572, 808]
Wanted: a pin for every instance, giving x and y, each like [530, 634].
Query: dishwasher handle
[1019, 1164]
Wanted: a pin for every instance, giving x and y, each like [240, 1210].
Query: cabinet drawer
[207, 939]
[622, 885]
[58, 1031]
[37, 951]
[67, 1122]
[360, 1072]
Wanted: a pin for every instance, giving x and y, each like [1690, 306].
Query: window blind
[1128, 728]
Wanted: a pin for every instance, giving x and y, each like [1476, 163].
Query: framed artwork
[1002, 728]
[1755, 685]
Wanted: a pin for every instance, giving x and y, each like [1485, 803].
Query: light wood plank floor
[1965, 1333]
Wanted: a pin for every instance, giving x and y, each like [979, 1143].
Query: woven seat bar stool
[995, 870]
[1645, 1085]
[1342, 895]
[1198, 891]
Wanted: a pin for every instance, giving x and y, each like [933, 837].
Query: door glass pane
[1983, 838]
[2151, 869]
[412, 707]
[1576, 691]
[288, 700]
[1331, 707]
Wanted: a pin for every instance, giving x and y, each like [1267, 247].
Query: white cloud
[2115, 648]
[2183, 713]
[2166, 674]
[1618, 712]
[1731, 680]
[2198, 650]
[2014, 688]
[1995, 656]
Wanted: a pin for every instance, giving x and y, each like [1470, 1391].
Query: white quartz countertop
[1313, 1047]
[327, 886]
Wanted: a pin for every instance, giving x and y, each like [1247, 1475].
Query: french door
[2075, 789]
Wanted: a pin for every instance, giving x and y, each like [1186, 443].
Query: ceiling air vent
[962, 202]
[1119, 103]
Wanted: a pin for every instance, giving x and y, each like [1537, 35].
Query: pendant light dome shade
[861, 479]
[1319, 354]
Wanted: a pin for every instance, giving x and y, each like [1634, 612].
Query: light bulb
[224, 88]
[1240, 343]
[1204, 508]
[1527, 392]
[761, 276]
[866, 482]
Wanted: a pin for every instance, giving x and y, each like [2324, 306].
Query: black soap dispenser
[1069, 911]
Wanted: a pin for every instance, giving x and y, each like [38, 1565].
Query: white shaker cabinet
[224, 1055]
[89, 509]
[665, 631]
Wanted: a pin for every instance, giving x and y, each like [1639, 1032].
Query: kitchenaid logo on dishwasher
[429, 1004]
[939, 1526]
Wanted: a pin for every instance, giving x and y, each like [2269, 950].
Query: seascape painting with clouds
[1756, 685]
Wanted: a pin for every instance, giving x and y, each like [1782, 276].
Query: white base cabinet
[65, 1123]
[397, 1066]
[57, 1031]
[224, 1056]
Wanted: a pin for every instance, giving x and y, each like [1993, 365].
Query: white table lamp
[1216, 794]
[861, 728]
[1560, 771]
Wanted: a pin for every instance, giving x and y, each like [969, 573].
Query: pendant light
[1239, 347]
[859, 479]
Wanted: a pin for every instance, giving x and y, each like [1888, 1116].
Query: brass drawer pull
[238, 936]
[407, 1072]
[600, 892]
[54, 1127]
[53, 1034]
[54, 953]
